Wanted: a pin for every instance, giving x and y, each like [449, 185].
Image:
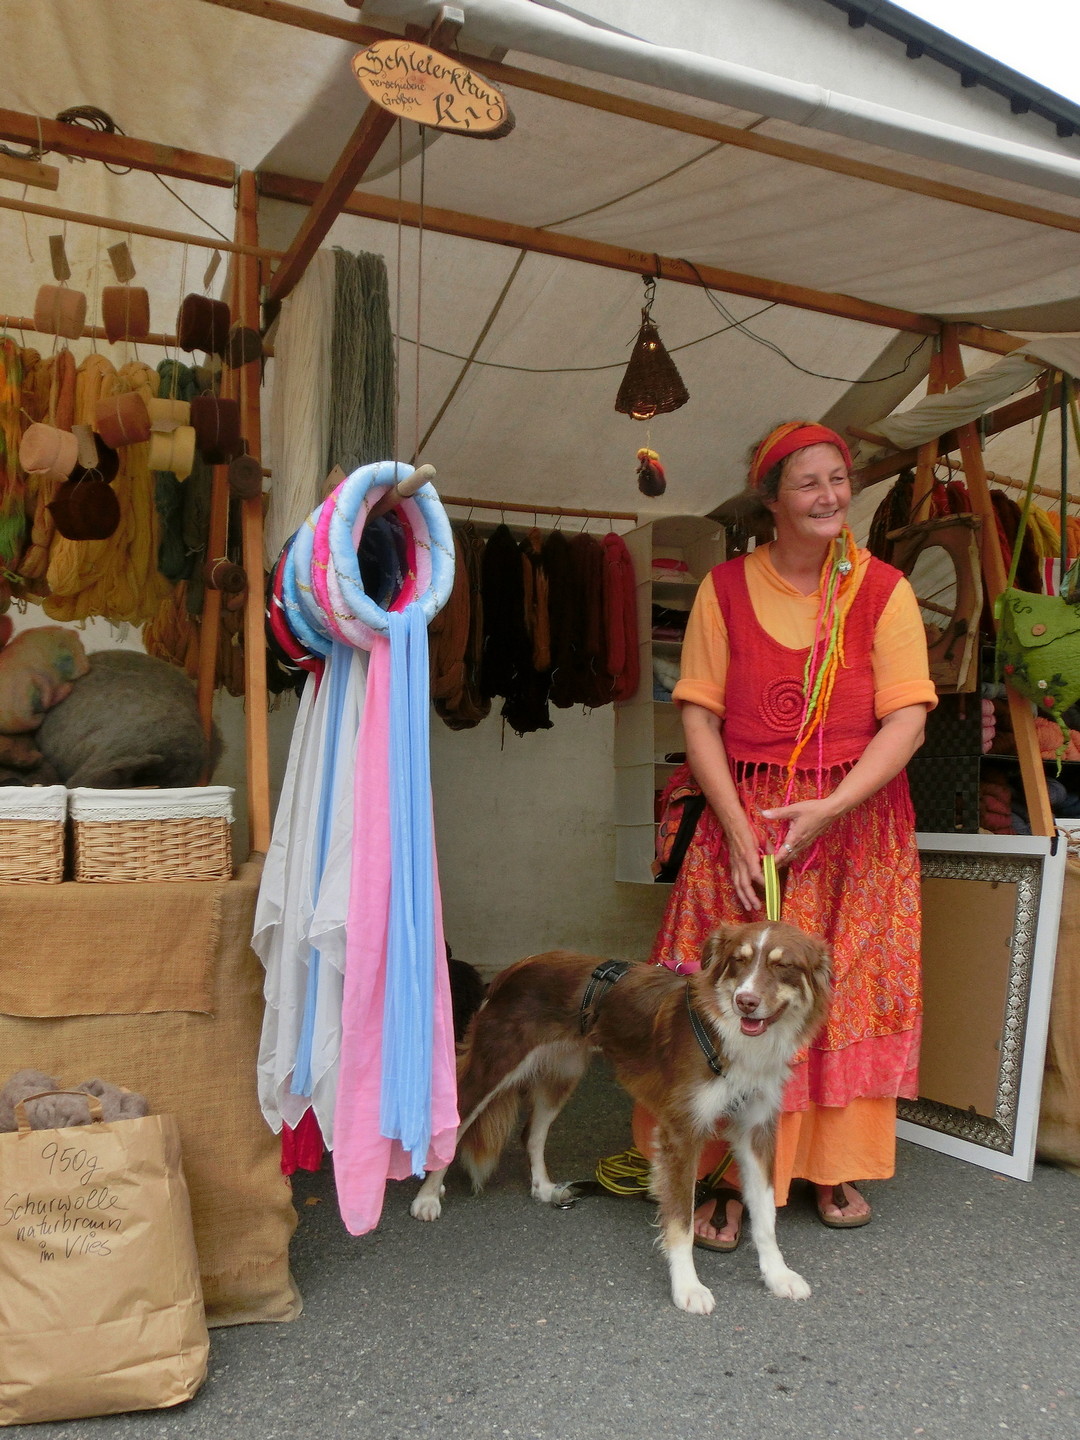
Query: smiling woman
[804, 689]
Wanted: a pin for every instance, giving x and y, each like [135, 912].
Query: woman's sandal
[839, 1198]
[722, 1196]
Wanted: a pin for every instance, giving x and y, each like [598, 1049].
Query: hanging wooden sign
[418, 84]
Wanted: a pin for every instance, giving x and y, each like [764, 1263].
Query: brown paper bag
[100, 1304]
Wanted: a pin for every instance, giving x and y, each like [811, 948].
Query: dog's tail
[486, 1137]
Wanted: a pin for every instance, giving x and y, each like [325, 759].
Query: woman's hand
[807, 821]
[746, 873]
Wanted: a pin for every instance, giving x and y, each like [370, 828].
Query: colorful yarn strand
[826, 655]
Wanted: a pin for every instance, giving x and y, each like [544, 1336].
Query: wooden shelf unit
[647, 729]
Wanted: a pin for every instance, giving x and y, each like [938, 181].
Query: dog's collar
[701, 1035]
[600, 982]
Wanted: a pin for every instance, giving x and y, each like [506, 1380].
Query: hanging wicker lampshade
[651, 385]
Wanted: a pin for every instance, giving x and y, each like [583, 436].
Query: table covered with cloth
[154, 986]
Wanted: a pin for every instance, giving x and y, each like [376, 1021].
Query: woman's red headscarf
[785, 440]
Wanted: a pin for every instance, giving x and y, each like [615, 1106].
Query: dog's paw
[787, 1285]
[427, 1207]
[695, 1298]
[551, 1192]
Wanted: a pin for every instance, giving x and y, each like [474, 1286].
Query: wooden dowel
[131, 227]
[90, 332]
[256, 698]
[1008, 483]
[539, 509]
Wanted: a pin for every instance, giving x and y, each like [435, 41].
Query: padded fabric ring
[353, 609]
[295, 574]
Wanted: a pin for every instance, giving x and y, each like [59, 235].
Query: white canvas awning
[530, 416]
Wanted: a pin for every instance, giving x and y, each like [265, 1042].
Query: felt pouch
[202, 324]
[47, 450]
[217, 428]
[125, 312]
[173, 450]
[122, 420]
[60, 311]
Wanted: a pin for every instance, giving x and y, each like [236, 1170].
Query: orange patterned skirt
[859, 888]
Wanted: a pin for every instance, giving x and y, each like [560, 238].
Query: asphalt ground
[953, 1316]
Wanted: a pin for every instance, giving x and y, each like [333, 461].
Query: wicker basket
[32, 834]
[124, 835]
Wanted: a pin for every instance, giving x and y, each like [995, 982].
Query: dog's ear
[819, 952]
[717, 947]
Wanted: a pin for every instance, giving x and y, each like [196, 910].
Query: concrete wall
[527, 843]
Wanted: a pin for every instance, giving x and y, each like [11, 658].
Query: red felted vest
[764, 688]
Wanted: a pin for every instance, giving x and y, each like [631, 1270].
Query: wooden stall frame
[337, 195]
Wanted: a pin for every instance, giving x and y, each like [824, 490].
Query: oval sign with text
[421, 85]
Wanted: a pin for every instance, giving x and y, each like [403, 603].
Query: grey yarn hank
[361, 363]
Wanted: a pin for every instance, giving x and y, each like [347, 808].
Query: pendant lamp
[651, 385]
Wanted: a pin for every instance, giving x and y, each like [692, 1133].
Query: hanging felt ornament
[650, 386]
[651, 479]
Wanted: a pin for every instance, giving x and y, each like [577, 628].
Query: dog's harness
[701, 1035]
[600, 982]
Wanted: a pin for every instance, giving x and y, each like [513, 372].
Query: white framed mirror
[991, 905]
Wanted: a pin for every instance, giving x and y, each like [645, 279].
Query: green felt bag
[1038, 641]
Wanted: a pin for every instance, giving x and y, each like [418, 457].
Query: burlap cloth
[185, 1034]
[1059, 1118]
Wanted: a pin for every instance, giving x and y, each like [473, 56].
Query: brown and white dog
[760, 995]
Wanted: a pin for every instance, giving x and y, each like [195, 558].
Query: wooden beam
[596, 252]
[669, 119]
[256, 701]
[375, 125]
[29, 172]
[61, 139]
[351, 166]
[128, 227]
[1040, 815]
[928, 453]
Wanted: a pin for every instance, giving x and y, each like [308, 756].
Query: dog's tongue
[752, 1027]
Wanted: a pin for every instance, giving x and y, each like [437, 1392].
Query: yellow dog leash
[772, 887]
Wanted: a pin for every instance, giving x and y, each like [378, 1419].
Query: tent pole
[1036, 796]
[251, 522]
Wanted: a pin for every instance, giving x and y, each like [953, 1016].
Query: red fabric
[302, 1148]
[620, 618]
[786, 439]
[768, 677]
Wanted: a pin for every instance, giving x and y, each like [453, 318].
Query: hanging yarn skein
[300, 403]
[362, 363]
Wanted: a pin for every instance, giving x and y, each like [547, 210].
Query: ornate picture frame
[991, 910]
